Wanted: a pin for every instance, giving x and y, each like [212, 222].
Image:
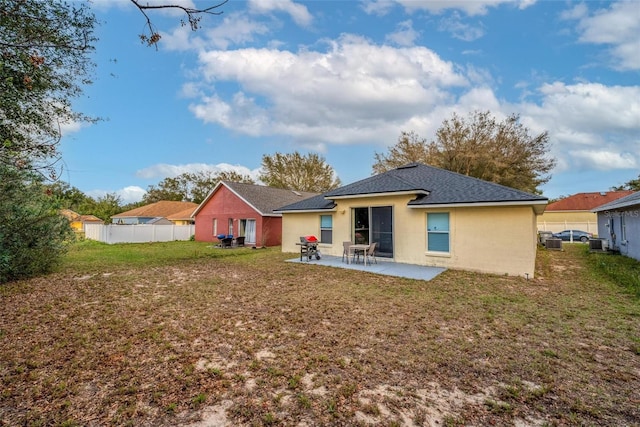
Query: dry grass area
[253, 340]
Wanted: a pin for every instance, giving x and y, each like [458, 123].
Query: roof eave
[333, 209]
[383, 194]
[623, 205]
[538, 205]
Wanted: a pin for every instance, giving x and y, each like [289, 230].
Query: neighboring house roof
[265, 200]
[624, 202]
[586, 201]
[183, 215]
[70, 215]
[159, 221]
[163, 208]
[90, 218]
[74, 216]
[432, 187]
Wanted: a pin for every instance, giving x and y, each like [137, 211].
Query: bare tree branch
[193, 16]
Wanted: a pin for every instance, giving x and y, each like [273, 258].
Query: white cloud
[405, 35]
[471, 8]
[353, 88]
[377, 7]
[163, 170]
[602, 160]
[298, 12]
[233, 30]
[460, 30]
[357, 92]
[130, 194]
[590, 125]
[617, 27]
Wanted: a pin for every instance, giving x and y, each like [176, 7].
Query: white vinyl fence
[139, 233]
[556, 227]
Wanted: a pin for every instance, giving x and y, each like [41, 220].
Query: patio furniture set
[228, 241]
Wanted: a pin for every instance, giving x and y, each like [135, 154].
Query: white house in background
[619, 224]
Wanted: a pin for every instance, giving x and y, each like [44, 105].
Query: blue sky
[344, 78]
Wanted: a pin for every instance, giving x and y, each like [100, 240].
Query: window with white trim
[326, 228]
[438, 232]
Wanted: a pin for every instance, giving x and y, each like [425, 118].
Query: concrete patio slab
[384, 267]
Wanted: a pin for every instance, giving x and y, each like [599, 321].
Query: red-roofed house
[575, 212]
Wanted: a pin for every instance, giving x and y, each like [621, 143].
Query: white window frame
[330, 229]
[431, 232]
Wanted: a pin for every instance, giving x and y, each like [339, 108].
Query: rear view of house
[418, 214]
[244, 210]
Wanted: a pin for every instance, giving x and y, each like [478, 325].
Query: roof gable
[431, 185]
[264, 200]
[586, 201]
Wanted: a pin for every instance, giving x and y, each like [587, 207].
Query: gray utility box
[553, 244]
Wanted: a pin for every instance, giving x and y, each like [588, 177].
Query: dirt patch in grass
[254, 340]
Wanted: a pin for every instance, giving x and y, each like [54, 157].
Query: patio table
[362, 247]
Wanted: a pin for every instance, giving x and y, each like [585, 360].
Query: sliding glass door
[374, 224]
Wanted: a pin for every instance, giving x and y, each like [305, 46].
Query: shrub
[33, 234]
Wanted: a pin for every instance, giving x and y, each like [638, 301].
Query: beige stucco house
[423, 215]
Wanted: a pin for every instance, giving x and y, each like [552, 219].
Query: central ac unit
[597, 245]
[555, 244]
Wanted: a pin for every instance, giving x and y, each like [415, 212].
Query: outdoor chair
[345, 250]
[227, 241]
[371, 252]
[240, 241]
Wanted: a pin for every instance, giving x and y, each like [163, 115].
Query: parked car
[565, 235]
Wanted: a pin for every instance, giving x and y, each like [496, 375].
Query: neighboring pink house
[244, 210]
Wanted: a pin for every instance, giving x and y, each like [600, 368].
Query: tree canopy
[191, 186]
[295, 171]
[479, 146]
[632, 184]
[45, 61]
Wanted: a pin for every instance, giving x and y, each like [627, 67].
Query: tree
[409, 149]
[69, 197]
[297, 172]
[105, 207]
[32, 232]
[500, 152]
[191, 186]
[45, 60]
[632, 184]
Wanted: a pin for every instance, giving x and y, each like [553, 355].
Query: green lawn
[178, 333]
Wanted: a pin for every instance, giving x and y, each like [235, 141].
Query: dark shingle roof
[431, 185]
[266, 199]
[630, 200]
